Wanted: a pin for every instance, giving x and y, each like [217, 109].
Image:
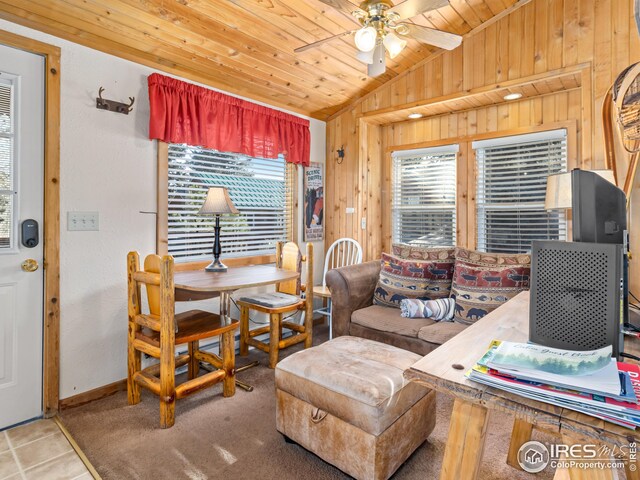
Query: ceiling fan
[383, 26]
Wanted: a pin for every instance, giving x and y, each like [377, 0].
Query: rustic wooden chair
[158, 332]
[288, 257]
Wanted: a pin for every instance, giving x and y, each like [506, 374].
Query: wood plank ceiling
[242, 46]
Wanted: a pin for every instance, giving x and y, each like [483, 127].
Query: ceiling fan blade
[379, 64]
[323, 41]
[411, 8]
[434, 37]
[343, 5]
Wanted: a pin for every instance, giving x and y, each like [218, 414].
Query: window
[511, 186]
[424, 196]
[7, 181]
[261, 189]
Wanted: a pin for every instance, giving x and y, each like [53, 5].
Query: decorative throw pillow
[400, 279]
[417, 252]
[484, 281]
[438, 310]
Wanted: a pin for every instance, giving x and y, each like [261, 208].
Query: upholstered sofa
[366, 297]
[353, 313]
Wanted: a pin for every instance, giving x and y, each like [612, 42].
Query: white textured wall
[108, 165]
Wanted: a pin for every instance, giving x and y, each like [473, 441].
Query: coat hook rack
[112, 105]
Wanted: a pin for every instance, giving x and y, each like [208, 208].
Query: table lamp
[558, 194]
[217, 203]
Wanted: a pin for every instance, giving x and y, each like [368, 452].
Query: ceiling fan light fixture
[365, 39]
[394, 44]
[415, 116]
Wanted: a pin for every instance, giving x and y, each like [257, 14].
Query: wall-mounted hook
[112, 105]
[340, 158]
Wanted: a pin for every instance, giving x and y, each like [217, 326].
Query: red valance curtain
[185, 113]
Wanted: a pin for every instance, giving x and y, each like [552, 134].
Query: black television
[599, 209]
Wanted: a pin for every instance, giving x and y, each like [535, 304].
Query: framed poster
[313, 203]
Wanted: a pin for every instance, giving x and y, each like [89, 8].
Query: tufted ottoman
[347, 401]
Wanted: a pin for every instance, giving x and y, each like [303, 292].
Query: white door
[21, 198]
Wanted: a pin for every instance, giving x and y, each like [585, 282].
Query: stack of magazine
[590, 382]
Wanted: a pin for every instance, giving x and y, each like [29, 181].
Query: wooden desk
[199, 285]
[444, 370]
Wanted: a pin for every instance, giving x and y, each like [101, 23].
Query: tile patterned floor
[39, 451]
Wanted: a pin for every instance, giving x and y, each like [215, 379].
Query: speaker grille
[571, 303]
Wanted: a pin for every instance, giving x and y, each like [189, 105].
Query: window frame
[466, 214]
[14, 136]
[572, 162]
[514, 140]
[162, 219]
[445, 148]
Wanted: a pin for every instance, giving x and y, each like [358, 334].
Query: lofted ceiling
[244, 47]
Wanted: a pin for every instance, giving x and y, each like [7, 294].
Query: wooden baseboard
[95, 394]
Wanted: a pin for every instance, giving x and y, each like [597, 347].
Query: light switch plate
[350, 210]
[83, 221]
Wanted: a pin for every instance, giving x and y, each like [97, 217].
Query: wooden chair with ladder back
[158, 332]
[287, 299]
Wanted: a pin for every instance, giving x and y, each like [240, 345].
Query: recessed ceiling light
[513, 96]
[413, 116]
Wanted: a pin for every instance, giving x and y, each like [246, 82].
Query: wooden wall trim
[570, 125]
[162, 215]
[294, 179]
[387, 115]
[92, 395]
[51, 227]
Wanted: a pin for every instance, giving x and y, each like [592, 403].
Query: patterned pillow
[484, 281]
[416, 252]
[400, 279]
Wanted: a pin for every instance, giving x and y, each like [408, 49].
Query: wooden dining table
[191, 285]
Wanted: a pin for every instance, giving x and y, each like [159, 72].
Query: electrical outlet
[83, 221]
[363, 223]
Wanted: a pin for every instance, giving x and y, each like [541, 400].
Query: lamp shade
[394, 44]
[366, 57]
[558, 194]
[217, 202]
[366, 39]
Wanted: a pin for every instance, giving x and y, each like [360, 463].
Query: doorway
[50, 228]
[22, 118]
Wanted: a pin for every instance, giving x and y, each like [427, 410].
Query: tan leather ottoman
[347, 401]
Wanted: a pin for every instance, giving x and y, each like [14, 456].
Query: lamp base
[216, 266]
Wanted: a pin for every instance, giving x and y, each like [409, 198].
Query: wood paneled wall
[597, 36]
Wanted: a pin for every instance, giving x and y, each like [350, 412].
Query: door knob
[29, 265]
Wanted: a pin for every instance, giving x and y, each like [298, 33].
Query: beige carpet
[235, 438]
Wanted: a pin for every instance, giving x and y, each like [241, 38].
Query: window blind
[6, 164]
[424, 196]
[511, 186]
[261, 189]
